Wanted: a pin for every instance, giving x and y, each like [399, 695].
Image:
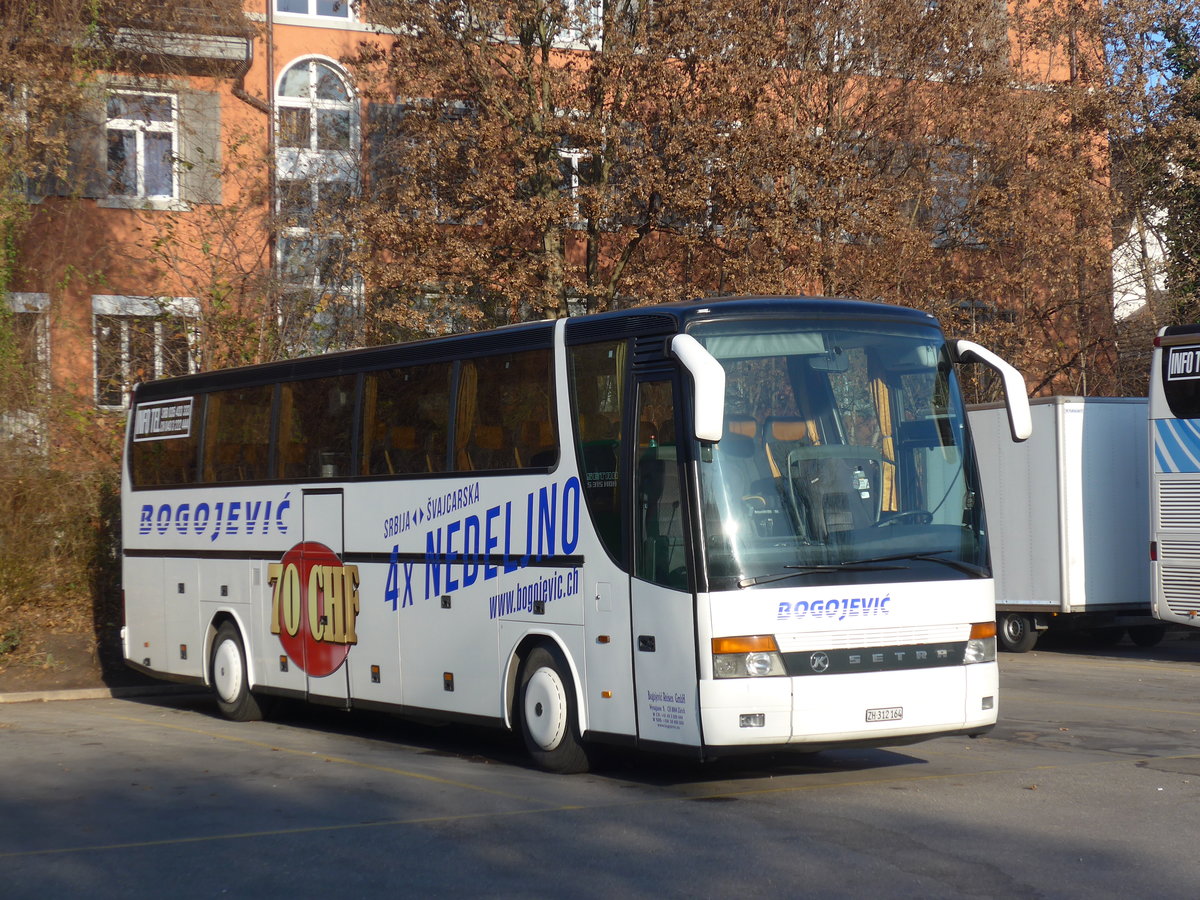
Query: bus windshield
[843, 453]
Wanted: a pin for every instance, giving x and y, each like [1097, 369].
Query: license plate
[886, 714]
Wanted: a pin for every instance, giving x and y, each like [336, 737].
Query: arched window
[317, 110]
[317, 141]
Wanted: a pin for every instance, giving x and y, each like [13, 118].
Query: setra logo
[314, 607]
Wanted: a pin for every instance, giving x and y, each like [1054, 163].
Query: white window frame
[570, 159]
[140, 128]
[36, 304]
[16, 120]
[140, 307]
[313, 166]
[26, 426]
[590, 14]
[950, 201]
[306, 163]
[312, 14]
[975, 32]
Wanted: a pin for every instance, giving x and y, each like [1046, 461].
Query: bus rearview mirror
[1016, 400]
[708, 376]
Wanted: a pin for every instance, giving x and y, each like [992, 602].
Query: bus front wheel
[230, 677]
[546, 708]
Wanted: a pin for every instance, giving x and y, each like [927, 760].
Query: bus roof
[664, 318]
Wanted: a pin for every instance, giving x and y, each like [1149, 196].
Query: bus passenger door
[329, 605]
[661, 599]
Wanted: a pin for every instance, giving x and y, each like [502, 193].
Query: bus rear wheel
[230, 677]
[547, 711]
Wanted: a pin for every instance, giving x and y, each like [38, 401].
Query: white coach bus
[708, 527]
[1175, 475]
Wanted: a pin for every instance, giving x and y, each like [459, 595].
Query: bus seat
[485, 449]
[254, 461]
[376, 460]
[597, 427]
[228, 462]
[293, 459]
[743, 425]
[742, 465]
[535, 442]
[399, 451]
[839, 486]
[753, 495]
[735, 453]
[781, 434]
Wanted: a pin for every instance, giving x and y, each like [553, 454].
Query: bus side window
[659, 524]
[406, 416]
[237, 428]
[528, 400]
[315, 419]
[167, 462]
[597, 385]
[504, 413]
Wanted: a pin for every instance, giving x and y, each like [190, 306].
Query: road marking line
[283, 832]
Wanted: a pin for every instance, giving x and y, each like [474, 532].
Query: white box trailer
[1068, 516]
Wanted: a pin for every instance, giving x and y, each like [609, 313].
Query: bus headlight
[982, 645]
[751, 656]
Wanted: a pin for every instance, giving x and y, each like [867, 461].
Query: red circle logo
[314, 607]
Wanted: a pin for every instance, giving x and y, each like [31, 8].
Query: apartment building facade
[204, 125]
[211, 143]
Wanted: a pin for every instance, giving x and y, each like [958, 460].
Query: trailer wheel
[1016, 632]
[546, 709]
[230, 677]
[1147, 635]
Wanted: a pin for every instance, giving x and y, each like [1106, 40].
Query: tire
[229, 677]
[1016, 632]
[1147, 635]
[547, 712]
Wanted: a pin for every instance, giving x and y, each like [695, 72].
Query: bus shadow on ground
[1179, 645]
[662, 770]
[492, 746]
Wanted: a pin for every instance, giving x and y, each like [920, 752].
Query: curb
[97, 693]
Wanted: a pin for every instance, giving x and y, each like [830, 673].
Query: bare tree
[58, 454]
[539, 157]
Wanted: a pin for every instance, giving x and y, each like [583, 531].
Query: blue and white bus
[708, 527]
[1175, 475]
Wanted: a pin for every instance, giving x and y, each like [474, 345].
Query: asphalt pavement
[1089, 786]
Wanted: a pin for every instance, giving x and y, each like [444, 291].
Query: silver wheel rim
[546, 708]
[227, 671]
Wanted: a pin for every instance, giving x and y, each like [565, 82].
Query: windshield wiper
[870, 564]
[937, 556]
[865, 565]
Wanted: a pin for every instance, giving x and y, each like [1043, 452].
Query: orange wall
[75, 249]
